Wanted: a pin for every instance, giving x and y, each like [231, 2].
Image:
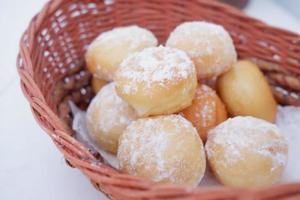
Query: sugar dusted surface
[207, 113]
[153, 146]
[240, 133]
[155, 65]
[149, 148]
[209, 107]
[201, 40]
[112, 109]
[131, 35]
[188, 29]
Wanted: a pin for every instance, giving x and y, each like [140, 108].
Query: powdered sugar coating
[133, 35]
[110, 48]
[240, 134]
[209, 46]
[208, 110]
[108, 115]
[151, 148]
[247, 152]
[205, 29]
[155, 65]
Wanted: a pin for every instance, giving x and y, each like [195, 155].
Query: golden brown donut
[245, 91]
[157, 80]
[206, 111]
[110, 48]
[165, 149]
[209, 46]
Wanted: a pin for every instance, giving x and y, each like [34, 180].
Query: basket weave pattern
[51, 67]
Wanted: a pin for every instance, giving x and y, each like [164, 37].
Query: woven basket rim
[39, 107]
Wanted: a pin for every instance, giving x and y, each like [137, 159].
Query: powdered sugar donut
[246, 152]
[206, 111]
[165, 149]
[108, 50]
[209, 46]
[158, 80]
[107, 117]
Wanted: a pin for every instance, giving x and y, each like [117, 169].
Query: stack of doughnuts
[153, 110]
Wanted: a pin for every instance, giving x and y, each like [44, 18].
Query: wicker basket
[52, 72]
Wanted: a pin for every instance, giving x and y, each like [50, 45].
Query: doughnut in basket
[107, 51]
[149, 99]
[157, 80]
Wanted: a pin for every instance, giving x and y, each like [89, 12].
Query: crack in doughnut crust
[165, 149]
[208, 45]
[158, 80]
[110, 48]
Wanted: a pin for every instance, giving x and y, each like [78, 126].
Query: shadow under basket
[52, 71]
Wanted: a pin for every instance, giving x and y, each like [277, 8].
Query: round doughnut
[157, 80]
[246, 152]
[165, 149]
[97, 84]
[245, 91]
[107, 117]
[110, 48]
[209, 46]
[206, 111]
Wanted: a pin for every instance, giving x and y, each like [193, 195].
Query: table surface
[31, 168]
